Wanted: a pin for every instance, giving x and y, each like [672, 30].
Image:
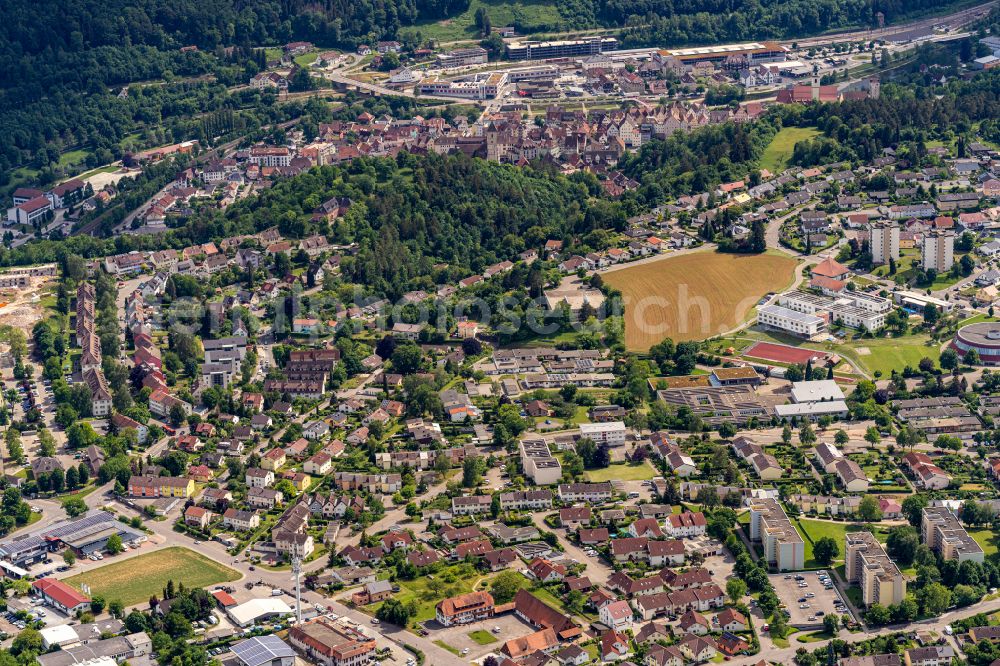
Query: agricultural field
[501, 12]
[778, 153]
[136, 579]
[663, 299]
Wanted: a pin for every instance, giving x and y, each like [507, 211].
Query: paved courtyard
[458, 637]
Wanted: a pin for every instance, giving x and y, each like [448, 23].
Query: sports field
[695, 295]
[778, 153]
[768, 351]
[136, 579]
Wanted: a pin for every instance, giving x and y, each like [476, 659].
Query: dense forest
[707, 21]
[63, 65]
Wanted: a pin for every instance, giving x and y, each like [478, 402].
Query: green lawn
[482, 637]
[429, 590]
[869, 354]
[71, 157]
[977, 319]
[306, 59]
[501, 13]
[888, 354]
[778, 153]
[812, 530]
[136, 579]
[81, 493]
[108, 168]
[988, 539]
[641, 472]
[441, 644]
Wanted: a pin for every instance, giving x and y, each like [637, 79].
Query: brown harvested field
[695, 295]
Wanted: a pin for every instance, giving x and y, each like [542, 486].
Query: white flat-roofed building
[612, 433]
[538, 463]
[812, 410]
[822, 390]
[916, 301]
[255, 610]
[785, 319]
[867, 312]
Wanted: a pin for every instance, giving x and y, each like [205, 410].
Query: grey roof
[261, 650]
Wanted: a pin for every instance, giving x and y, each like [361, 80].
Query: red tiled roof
[60, 592]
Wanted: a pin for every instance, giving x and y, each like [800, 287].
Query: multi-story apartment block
[942, 532]
[938, 251]
[884, 243]
[871, 569]
[612, 433]
[783, 546]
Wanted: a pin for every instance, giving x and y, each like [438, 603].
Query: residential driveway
[596, 570]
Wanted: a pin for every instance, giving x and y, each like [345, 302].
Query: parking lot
[458, 637]
[807, 597]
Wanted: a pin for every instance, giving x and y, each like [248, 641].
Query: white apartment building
[611, 433]
[884, 242]
[938, 251]
[539, 464]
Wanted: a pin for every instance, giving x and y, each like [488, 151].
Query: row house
[673, 604]
[531, 500]
[471, 505]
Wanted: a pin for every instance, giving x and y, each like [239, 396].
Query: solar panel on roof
[261, 650]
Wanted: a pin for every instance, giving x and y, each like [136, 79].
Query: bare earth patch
[862, 351]
[23, 308]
